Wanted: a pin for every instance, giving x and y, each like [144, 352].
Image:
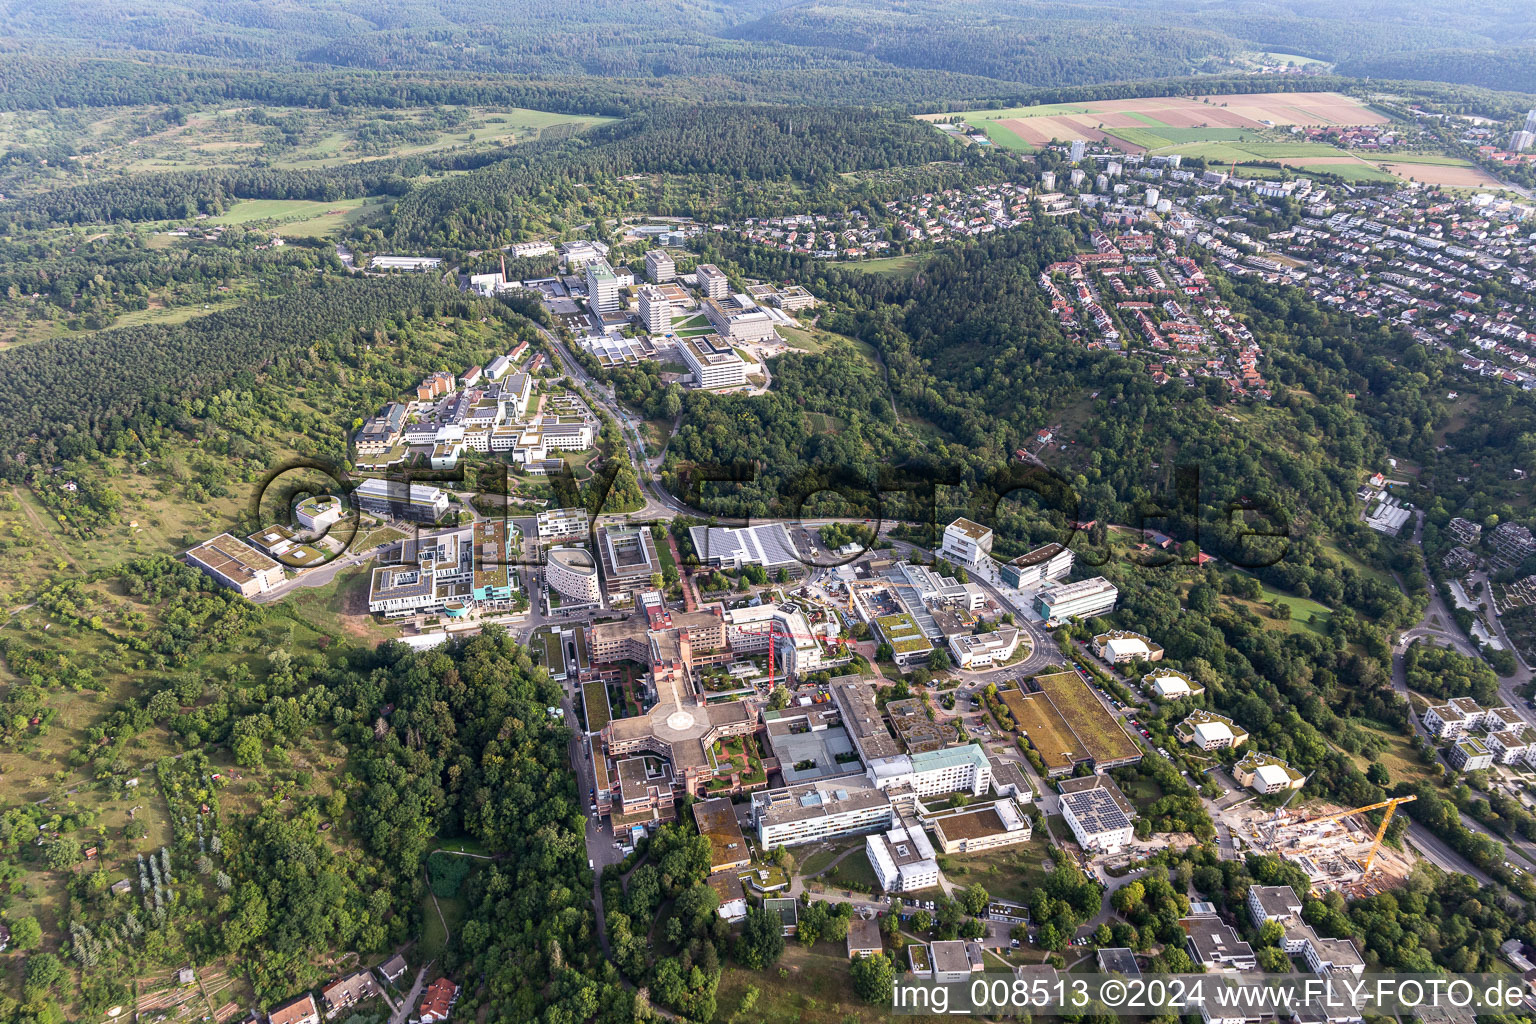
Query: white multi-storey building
[967, 542]
[973, 651]
[563, 524]
[819, 810]
[1059, 602]
[963, 769]
[659, 267]
[713, 362]
[795, 648]
[712, 281]
[572, 572]
[903, 860]
[1097, 812]
[1046, 563]
[655, 310]
[602, 287]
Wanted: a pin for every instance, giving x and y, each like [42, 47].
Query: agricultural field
[886, 265]
[1190, 119]
[1222, 130]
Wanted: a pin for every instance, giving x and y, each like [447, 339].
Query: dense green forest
[807, 145]
[960, 47]
[1498, 69]
[69, 397]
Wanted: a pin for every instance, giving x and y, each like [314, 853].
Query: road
[599, 835]
[1437, 853]
[409, 1002]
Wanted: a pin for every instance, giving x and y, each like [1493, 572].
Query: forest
[869, 50]
[70, 395]
[805, 145]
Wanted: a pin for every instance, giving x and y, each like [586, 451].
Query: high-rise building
[602, 287]
[1530, 122]
[655, 310]
[1521, 141]
[659, 267]
[1077, 150]
[712, 281]
[1152, 196]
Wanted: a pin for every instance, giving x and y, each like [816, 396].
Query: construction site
[1338, 848]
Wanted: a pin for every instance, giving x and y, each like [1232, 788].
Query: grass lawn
[818, 340]
[1157, 138]
[171, 315]
[1270, 56]
[1305, 612]
[282, 209]
[1041, 110]
[1013, 872]
[340, 608]
[854, 869]
[1400, 759]
[809, 986]
[1381, 576]
[436, 927]
[885, 265]
[825, 854]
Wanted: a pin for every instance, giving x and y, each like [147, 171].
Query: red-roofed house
[295, 1011]
[437, 1002]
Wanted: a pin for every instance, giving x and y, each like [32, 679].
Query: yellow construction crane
[1386, 819]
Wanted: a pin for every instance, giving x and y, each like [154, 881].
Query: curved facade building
[573, 573]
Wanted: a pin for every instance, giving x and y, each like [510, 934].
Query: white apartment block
[712, 281]
[602, 287]
[1511, 746]
[655, 310]
[903, 860]
[659, 267]
[1446, 721]
[967, 542]
[713, 362]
